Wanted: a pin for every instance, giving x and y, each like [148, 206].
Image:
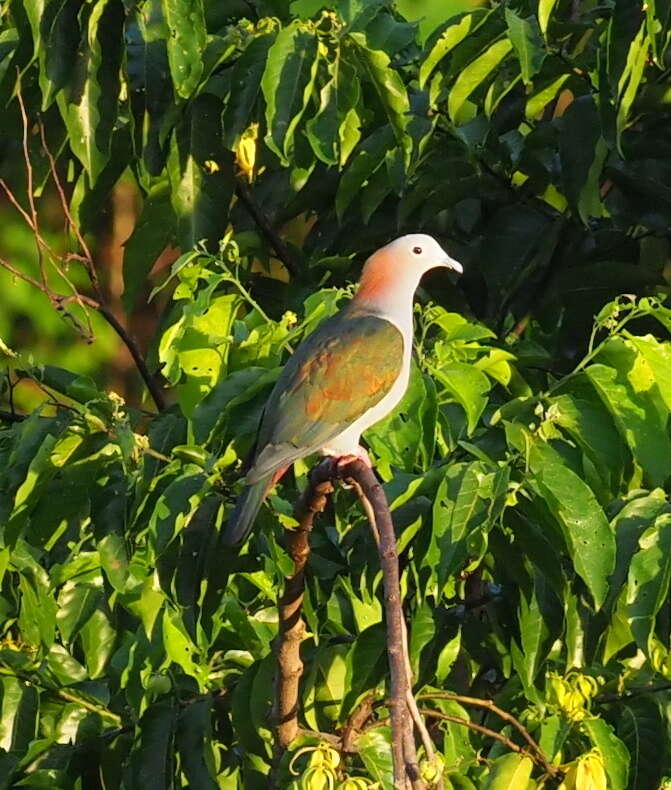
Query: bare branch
[403, 748]
[292, 625]
[274, 239]
[487, 704]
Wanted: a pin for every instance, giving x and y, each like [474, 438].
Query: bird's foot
[360, 455]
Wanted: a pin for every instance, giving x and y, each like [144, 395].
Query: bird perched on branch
[346, 376]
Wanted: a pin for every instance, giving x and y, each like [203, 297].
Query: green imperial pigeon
[346, 376]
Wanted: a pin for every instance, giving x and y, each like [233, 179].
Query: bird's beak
[450, 263]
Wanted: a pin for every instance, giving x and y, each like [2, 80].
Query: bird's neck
[387, 297]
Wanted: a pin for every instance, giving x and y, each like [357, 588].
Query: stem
[436, 714]
[274, 239]
[487, 704]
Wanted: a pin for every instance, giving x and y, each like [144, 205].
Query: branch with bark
[292, 626]
[48, 258]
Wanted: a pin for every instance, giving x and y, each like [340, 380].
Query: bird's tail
[241, 520]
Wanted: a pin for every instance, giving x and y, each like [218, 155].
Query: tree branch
[403, 750]
[292, 625]
[272, 237]
[436, 714]
[487, 704]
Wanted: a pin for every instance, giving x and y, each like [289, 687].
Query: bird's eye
[417, 250]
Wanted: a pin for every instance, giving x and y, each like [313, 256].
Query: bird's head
[399, 266]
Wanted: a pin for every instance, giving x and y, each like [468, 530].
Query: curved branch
[487, 704]
[263, 223]
[403, 751]
[292, 625]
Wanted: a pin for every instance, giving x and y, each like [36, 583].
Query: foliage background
[527, 467]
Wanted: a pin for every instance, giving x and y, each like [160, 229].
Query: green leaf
[583, 152]
[194, 744]
[587, 533]
[89, 101]
[331, 125]
[201, 174]
[364, 662]
[534, 634]
[18, 714]
[55, 30]
[174, 508]
[545, 9]
[466, 385]
[631, 79]
[446, 658]
[462, 509]
[628, 525]
[471, 77]
[369, 157]
[245, 88]
[648, 579]
[658, 357]
[641, 726]
[186, 42]
[389, 88]
[374, 748]
[591, 427]
[150, 84]
[287, 85]
[151, 761]
[152, 232]
[179, 647]
[447, 41]
[98, 639]
[540, 98]
[613, 751]
[523, 34]
[626, 386]
[510, 772]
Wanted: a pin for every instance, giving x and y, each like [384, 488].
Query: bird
[344, 377]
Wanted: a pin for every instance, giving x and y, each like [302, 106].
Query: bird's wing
[340, 372]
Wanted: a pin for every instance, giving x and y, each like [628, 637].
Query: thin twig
[274, 239]
[436, 714]
[487, 704]
[10, 416]
[356, 722]
[87, 258]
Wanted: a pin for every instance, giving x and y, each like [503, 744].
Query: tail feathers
[246, 509]
[242, 519]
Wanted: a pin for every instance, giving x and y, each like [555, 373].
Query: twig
[436, 714]
[292, 625]
[87, 258]
[60, 301]
[276, 242]
[487, 704]
[10, 416]
[152, 385]
[356, 722]
[637, 691]
[405, 765]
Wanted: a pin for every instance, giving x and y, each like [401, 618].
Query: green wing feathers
[335, 376]
[340, 372]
